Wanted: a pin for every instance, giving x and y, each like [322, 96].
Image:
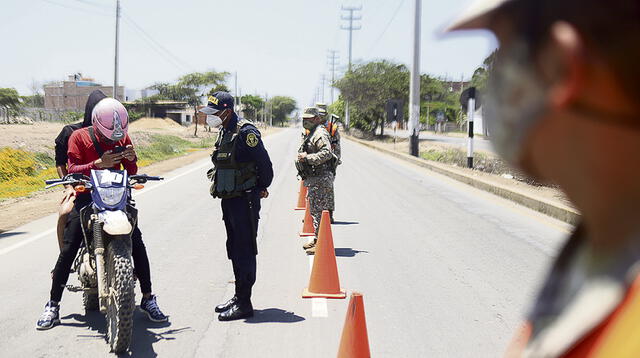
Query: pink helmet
[110, 118]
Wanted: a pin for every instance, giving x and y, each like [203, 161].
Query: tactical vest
[231, 178]
[305, 169]
[332, 128]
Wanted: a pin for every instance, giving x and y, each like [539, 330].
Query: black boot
[225, 306]
[238, 310]
[331, 216]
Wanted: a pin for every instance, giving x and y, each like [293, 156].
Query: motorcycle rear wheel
[121, 303]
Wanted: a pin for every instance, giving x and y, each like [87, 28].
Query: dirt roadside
[19, 211]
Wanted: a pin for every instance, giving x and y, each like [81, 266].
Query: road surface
[445, 270]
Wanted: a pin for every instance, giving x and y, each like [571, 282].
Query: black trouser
[71, 244]
[241, 217]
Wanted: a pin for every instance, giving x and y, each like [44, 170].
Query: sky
[277, 47]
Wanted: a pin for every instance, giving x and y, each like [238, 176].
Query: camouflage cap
[310, 112]
[322, 108]
[477, 16]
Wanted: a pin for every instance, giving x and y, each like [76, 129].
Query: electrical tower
[332, 58]
[323, 81]
[350, 17]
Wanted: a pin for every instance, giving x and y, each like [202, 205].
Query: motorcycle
[103, 263]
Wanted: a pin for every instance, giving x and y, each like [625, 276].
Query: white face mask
[515, 103]
[214, 121]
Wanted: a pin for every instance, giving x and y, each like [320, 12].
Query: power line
[93, 12]
[395, 13]
[175, 58]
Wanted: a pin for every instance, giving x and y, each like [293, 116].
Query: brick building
[72, 95]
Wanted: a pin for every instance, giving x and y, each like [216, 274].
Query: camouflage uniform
[334, 140]
[320, 187]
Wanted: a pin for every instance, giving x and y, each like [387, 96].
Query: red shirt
[82, 154]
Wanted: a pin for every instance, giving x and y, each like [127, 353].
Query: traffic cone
[324, 281]
[307, 226]
[355, 341]
[302, 197]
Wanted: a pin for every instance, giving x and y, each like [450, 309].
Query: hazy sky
[277, 47]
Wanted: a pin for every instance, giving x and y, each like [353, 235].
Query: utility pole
[333, 63]
[414, 91]
[235, 102]
[323, 80]
[115, 74]
[351, 18]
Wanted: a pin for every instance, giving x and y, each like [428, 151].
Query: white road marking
[27, 241]
[319, 307]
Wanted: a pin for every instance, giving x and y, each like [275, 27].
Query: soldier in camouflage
[334, 139]
[318, 161]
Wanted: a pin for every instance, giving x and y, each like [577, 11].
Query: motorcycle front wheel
[121, 303]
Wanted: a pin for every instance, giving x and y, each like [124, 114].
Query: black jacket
[63, 138]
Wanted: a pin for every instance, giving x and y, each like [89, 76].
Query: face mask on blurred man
[515, 103]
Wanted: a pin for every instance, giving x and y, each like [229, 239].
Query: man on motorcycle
[95, 148]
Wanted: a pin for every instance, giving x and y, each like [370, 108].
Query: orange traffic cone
[355, 341]
[307, 226]
[302, 197]
[324, 281]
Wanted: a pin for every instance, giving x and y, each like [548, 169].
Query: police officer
[315, 164]
[241, 175]
[562, 105]
[334, 139]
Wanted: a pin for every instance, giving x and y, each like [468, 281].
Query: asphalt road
[445, 270]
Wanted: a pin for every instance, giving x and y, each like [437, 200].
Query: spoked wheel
[121, 297]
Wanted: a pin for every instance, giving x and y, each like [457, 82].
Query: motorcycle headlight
[111, 196]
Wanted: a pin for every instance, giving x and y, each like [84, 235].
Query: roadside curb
[557, 211]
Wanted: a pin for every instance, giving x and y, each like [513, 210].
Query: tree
[10, 101]
[252, 105]
[368, 87]
[282, 107]
[219, 88]
[190, 88]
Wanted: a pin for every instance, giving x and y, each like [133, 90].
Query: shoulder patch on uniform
[252, 140]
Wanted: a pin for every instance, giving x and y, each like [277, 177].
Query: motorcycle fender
[115, 222]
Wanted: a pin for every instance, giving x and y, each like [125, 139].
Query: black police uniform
[241, 213]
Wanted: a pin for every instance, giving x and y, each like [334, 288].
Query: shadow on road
[4, 234]
[274, 315]
[93, 320]
[143, 338]
[346, 223]
[348, 252]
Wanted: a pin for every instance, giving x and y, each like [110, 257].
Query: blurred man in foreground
[562, 106]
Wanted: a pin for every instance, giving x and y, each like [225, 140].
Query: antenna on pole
[115, 75]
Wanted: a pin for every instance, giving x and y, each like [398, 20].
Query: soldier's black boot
[241, 307]
[238, 310]
[225, 306]
[331, 215]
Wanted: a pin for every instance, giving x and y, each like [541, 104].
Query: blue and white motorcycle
[104, 264]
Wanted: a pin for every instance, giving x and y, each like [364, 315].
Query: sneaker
[150, 307]
[50, 317]
[311, 251]
[310, 245]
